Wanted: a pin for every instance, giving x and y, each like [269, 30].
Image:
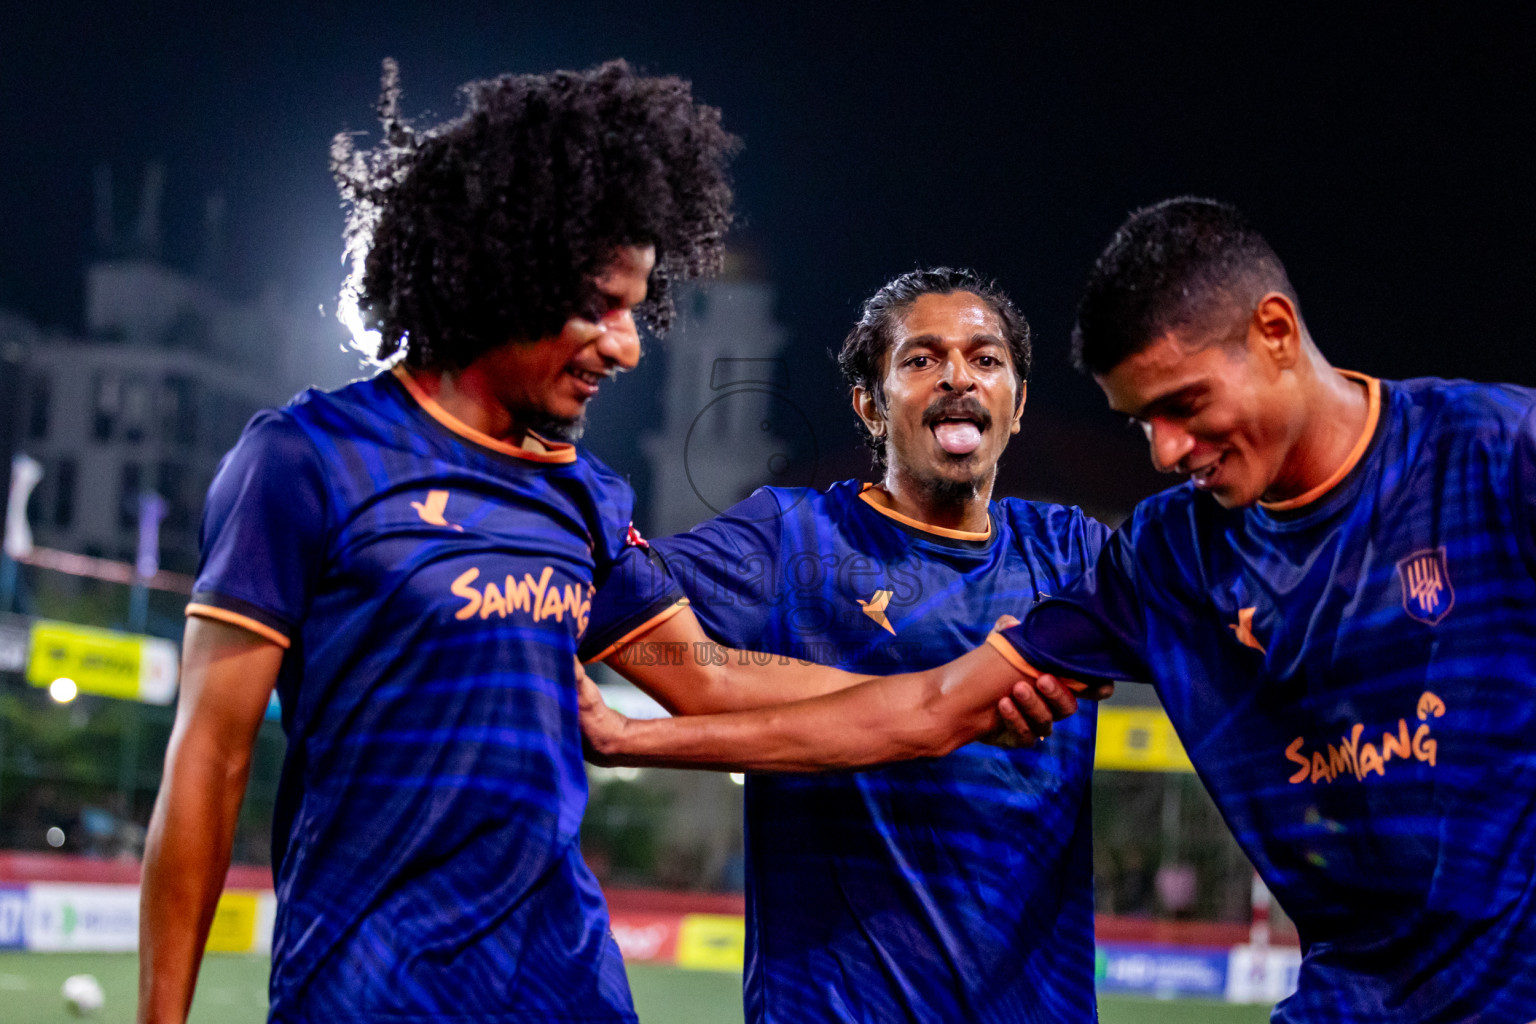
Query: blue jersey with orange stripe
[950, 889]
[1354, 678]
[433, 587]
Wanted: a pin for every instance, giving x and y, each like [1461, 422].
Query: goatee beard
[944, 492]
[556, 429]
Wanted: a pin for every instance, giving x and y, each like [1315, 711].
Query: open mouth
[586, 381]
[1205, 477]
[958, 435]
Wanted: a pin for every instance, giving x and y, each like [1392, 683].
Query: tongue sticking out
[957, 437]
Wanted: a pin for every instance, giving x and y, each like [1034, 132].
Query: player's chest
[1382, 589]
[469, 555]
[894, 607]
[1368, 651]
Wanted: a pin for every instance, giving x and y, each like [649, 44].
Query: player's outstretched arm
[894, 718]
[688, 674]
[227, 677]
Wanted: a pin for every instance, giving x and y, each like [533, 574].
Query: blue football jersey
[950, 889]
[432, 587]
[1353, 675]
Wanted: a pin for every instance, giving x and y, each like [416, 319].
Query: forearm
[689, 674]
[922, 714]
[747, 680]
[186, 858]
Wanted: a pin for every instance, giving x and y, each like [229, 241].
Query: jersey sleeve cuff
[648, 620]
[1000, 644]
[233, 611]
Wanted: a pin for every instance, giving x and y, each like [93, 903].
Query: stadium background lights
[63, 689]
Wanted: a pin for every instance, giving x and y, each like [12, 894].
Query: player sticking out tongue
[957, 424]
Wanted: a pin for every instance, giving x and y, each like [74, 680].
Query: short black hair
[863, 353]
[1184, 262]
[491, 226]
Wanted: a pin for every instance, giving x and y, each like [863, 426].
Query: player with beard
[412, 565]
[948, 889]
[1338, 610]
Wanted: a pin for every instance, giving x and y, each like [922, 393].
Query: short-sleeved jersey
[432, 586]
[1354, 678]
[950, 889]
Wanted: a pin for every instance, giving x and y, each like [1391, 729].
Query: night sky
[1386, 156]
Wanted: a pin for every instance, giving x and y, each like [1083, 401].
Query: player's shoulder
[275, 437]
[1028, 518]
[609, 492]
[1462, 405]
[597, 471]
[354, 409]
[1173, 504]
[831, 501]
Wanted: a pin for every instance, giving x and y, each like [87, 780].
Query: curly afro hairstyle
[862, 358]
[491, 226]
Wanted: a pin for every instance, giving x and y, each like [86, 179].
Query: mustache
[957, 407]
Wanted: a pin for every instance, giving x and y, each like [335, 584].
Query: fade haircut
[492, 226]
[862, 358]
[1184, 263]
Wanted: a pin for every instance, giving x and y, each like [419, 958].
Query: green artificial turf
[233, 990]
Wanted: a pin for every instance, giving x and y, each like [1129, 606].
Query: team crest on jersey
[633, 539]
[1427, 592]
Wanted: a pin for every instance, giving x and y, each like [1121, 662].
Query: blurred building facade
[165, 372]
[723, 404]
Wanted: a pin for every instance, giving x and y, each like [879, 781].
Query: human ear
[868, 410]
[1276, 328]
[1018, 411]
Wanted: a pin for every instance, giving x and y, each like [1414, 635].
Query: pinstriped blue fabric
[956, 889]
[1355, 682]
[435, 592]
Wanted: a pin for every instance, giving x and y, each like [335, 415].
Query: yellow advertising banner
[1138, 740]
[103, 661]
[234, 923]
[712, 942]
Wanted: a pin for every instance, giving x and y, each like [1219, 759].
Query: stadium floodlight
[63, 689]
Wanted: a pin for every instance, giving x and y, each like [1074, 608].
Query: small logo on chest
[1426, 579]
[875, 609]
[431, 511]
[1244, 629]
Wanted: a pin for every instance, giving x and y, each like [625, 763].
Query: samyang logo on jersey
[536, 598]
[1349, 757]
[1426, 579]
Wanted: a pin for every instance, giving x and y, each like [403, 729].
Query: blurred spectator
[1176, 885]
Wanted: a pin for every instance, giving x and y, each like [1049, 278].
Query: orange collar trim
[556, 451]
[1372, 417]
[939, 531]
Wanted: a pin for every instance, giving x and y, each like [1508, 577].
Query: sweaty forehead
[956, 316]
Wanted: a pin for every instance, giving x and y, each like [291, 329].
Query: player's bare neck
[947, 506]
[1331, 435]
[469, 397]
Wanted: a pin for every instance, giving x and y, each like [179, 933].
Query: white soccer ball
[82, 994]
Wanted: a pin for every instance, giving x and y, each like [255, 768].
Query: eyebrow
[929, 340]
[1163, 401]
